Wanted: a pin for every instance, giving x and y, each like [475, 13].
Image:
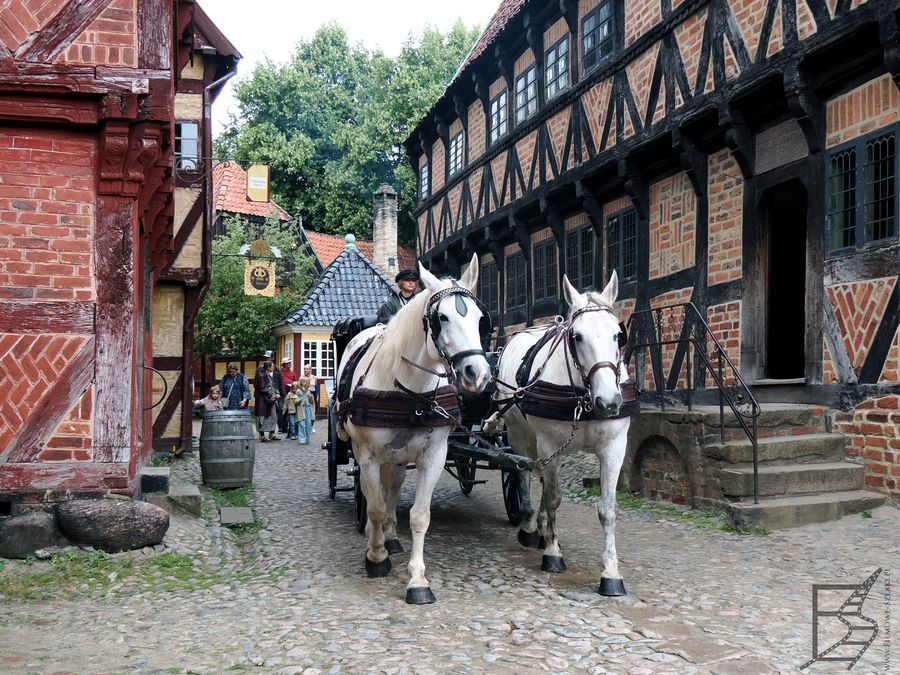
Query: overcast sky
[272, 28]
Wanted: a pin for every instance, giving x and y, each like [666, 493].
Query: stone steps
[774, 513]
[792, 479]
[780, 449]
[157, 488]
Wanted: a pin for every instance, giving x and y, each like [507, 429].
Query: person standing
[266, 397]
[235, 388]
[288, 377]
[304, 411]
[314, 388]
[407, 286]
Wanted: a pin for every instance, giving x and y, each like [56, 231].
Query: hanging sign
[259, 277]
[258, 183]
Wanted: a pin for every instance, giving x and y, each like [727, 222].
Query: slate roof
[230, 194]
[349, 286]
[327, 247]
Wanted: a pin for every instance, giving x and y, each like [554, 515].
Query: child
[213, 400]
[304, 411]
[291, 403]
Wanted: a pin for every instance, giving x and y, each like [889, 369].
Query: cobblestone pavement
[294, 598]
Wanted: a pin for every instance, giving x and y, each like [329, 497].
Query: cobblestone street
[295, 598]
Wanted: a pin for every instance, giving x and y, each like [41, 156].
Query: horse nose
[475, 375]
[608, 408]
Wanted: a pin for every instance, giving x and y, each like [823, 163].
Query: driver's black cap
[404, 275]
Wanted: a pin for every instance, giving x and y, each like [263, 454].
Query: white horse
[581, 358]
[408, 362]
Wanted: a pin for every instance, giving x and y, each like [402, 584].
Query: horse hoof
[530, 539]
[380, 569]
[393, 546]
[553, 563]
[612, 587]
[420, 595]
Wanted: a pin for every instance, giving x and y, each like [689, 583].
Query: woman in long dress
[266, 395]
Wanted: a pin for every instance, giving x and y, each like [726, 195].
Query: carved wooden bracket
[692, 161]
[889, 34]
[591, 206]
[739, 138]
[117, 106]
[505, 67]
[555, 220]
[534, 36]
[424, 145]
[635, 186]
[462, 111]
[569, 10]
[482, 91]
[805, 106]
[521, 234]
[497, 251]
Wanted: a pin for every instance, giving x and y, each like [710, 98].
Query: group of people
[284, 402]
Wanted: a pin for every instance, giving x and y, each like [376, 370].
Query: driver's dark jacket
[391, 306]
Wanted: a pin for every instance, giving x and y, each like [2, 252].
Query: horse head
[593, 335]
[452, 319]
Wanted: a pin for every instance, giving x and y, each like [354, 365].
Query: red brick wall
[525, 150]
[726, 204]
[498, 169]
[640, 76]
[476, 131]
[866, 108]
[873, 431]
[558, 126]
[671, 323]
[71, 442]
[662, 473]
[595, 102]
[110, 40]
[689, 36]
[438, 167]
[46, 215]
[673, 213]
[725, 323]
[640, 16]
[454, 195]
[858, 307]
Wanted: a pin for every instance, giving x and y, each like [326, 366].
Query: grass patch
[75, 575]
[241, 496]
[708, 521]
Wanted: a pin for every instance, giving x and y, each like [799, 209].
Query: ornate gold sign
[259, 277]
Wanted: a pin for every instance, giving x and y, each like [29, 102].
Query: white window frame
[499, 114]
[526, 94]
[456, 154]
[319, 356]
[187, 147]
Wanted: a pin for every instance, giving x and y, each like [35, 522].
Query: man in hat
[269, 355]
[408, 286]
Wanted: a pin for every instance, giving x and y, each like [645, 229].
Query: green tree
[332, 120]
[228, 319]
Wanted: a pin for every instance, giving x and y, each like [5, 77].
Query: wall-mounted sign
[259, 277]
[258, 183]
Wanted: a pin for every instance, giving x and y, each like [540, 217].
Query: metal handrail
[682, 324]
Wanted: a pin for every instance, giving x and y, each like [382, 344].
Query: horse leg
[418, 590]
[378, 563]
[611, 459]
[523, 442]
[552, 560]
[392, 477]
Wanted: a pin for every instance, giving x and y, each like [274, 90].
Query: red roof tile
[506, 11]
[230, 194]
[328, 247]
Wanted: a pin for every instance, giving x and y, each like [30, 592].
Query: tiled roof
[328, 246]
[230, 194]
[349, 286]
[506, 11]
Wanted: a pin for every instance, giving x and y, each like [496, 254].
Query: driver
[408, 285]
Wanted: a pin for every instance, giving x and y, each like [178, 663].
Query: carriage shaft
[496, 455]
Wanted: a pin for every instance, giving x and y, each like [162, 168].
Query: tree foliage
[230, 320]
[331, 123]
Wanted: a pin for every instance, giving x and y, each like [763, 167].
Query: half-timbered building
[737, 154]
[90, 131]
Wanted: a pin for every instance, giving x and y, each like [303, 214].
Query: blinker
[461, 305]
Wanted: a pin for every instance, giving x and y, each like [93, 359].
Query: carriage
[470, 449]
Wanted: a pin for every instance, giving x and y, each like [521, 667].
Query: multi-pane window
[597, 35]
[580, 258]
[489, 287]
[423, 181]
[319, 356]
[544, 270]
[516, 288]
[456, 154]
[526, 94]
[187, 146]
[557, 67]
[862, 192]
[621, 244]
[498, 116]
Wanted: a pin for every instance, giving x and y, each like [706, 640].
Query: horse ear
[571, 294]
[470, 278]
[611, 292]
[429, 281]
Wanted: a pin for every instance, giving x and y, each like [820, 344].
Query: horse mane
[403, 331]
[599, 300]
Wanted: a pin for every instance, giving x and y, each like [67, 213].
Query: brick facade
[673, 213]
[870, 106]
[640, 16]
[476, 131]
[670, 327]
[724, 321]
[873, 431]
[726, 205]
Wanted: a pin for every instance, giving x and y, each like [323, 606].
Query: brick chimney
[384, 230]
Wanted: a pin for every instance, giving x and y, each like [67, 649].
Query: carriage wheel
[465, 469]
[361, 504]
[512, 494]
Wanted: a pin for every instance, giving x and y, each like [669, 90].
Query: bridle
[570, 346]
[431, 321]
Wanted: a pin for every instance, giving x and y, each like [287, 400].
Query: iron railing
[679, 332]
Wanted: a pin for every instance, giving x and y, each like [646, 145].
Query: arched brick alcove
[659, 472]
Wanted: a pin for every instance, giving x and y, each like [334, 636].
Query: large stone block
[113, 524]
[21, 536]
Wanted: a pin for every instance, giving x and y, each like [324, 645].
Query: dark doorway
[785, 280]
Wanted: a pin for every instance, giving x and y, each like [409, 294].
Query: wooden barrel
[227, 448]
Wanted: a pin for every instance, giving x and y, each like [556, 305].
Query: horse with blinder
[560, 391]
[397, 410]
